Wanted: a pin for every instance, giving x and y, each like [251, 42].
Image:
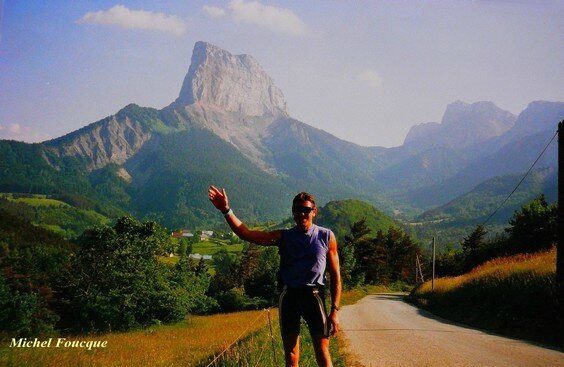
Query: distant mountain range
[230, 126]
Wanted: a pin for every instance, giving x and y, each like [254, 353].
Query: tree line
[111, 278]
[531, 229]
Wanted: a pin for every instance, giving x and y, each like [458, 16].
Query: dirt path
[385, 331]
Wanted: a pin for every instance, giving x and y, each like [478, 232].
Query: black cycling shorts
[307, 302]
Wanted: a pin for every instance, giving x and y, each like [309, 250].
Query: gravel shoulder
[383, 330]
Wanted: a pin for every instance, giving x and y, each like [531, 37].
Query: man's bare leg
[321, 348]
[291, 349]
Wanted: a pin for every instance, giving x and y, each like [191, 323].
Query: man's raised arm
[221, 202]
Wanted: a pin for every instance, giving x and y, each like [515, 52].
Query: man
[306, 250]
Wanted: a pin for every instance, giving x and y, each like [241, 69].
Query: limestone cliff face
[462, 125]
[232, 83]
[112, 140]
[232, 96]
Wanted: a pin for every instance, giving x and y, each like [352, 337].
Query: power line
[522, 179]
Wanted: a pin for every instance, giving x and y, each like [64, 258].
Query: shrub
[116, 281]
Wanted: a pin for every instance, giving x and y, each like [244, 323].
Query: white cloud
[22, 133]
[15, 128]
[136, 19]
[276, 19]
[371, 78]
[214, 12]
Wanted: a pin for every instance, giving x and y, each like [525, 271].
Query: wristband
[228, 213]
[334, 307]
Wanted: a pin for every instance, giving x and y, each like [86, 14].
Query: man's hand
[334, 322]
[218, 198]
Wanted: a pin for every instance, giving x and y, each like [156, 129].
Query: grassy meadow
[513, 295]
[54, 215]
[211, 247]
[256, 349]
[196, 341]
[187, 343]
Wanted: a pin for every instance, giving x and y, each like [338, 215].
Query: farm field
[210, 247]
[54, 215]
[213, 246]
[192, 342]
[181, 344]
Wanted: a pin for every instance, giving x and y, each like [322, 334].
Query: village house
[198, 256]
[206, 235]
[183, 233]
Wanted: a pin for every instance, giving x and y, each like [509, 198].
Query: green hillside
[449, 223]
[54, 215]
[25, 169]
[340, 215]
[170, 182]
[477, 204]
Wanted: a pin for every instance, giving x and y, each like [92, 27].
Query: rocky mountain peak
[232, 83]
[539, 116]
[482, 115]
[462, 125]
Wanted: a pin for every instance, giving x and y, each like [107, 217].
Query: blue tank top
[303, 256]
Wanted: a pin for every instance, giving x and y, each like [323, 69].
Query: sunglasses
[302, 209]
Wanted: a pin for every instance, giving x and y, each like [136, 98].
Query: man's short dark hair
[302, 197]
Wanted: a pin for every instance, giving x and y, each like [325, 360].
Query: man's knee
[292, 358]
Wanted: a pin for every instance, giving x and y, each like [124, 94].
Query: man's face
[304, 213]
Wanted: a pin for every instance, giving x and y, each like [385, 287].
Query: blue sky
[364, 71]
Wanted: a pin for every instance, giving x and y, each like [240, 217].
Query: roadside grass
[351, 296]
[186, 343]
[257, 350]
[354, 295]
[196, 341]
[515, 295]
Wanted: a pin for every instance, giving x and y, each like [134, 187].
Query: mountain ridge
[123, 159]
[462, 125]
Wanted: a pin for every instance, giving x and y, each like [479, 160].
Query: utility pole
[418, 276]
[416, 268]
[433, 280]
[560, 243]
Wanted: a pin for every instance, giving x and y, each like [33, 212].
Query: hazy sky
[365, 71]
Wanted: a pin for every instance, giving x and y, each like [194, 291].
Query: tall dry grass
[514, 295]
[195, 341]
[182, 344]
[256, 350]
[533, 265]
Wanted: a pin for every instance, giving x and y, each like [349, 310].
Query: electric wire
[267, 310]
[237, 339]
[521, 181]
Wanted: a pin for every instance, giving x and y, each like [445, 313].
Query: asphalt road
[382, 330]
